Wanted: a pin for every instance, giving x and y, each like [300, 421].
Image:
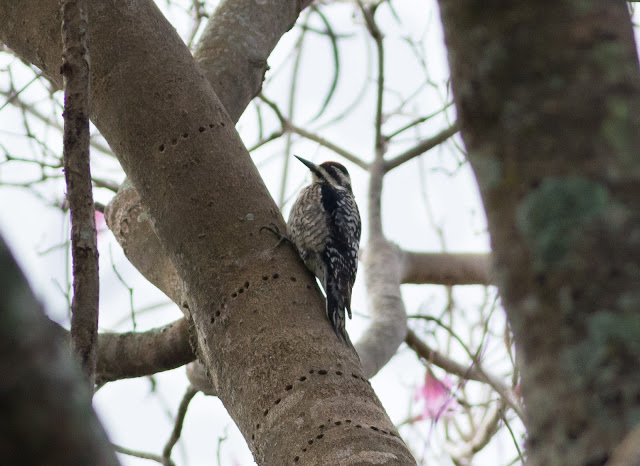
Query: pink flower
[437, 396]
[101, 224]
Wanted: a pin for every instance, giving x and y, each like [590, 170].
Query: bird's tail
[337, 302]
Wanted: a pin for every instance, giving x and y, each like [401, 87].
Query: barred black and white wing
[324, 224]
[341, 254]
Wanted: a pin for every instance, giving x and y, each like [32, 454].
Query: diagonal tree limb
[259, 321]
[236, 43]
[422, 147]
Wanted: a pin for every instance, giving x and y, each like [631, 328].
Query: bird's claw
[273, 229]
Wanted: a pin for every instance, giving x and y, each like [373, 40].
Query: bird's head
[333, 173]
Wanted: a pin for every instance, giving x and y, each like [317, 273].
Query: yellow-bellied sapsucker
[324, 225]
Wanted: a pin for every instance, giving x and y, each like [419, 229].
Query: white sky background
[139, 418]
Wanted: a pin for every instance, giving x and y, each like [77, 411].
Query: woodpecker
[324, 225]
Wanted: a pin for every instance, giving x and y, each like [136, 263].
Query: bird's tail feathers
[335, 311]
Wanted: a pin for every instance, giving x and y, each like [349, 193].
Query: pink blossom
[101, 224]
[437, 396]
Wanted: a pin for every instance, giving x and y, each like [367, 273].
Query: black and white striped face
[333, 173]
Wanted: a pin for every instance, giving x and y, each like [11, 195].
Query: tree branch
[235, 46]
[84, 248]
[447, 268]
[368, 13]
[382, 259]
[388, 326]
[627, 453]
[136, 354]
[289, 127]
[463, 453]
[422, 147]
[140, 454]
[208, 203]
[551, 177]
[177, 428]
[472, 372]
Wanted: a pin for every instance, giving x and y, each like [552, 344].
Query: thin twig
[17, 93]
[110, 185]
[376, 34]
[329, 145]
[33, 111]
[177, 428]
[417, 121]
[468, 372]
[513, 437]
[292, 107]
[333, 39]
[287, 126]
[422, 147]
[273, 136]
[140, 454]
[482, 435]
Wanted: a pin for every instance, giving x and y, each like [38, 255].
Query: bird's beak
[313, 167]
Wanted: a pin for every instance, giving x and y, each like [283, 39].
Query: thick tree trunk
[548, 95]
[295, 392]
[44, 398]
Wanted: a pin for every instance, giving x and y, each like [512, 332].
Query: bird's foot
[273, 229]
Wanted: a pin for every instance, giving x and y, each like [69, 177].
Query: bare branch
[417, 121]
[422, 147]
[388, 326]
[235, 45]
[136, 354]
[447, 268]
[369, 13]
[483, 434]
[33, 111]
[75, 70]
[473, 372]
[292, 107]
[177, 428]
[100, 183]
[287, 126]
[140, 454]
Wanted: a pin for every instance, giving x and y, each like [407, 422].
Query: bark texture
[232, 54]
[45, 402]
[548, 95]
[447, 268]
[84, 248]
[296, 394]
[235, 46]
[132, 354]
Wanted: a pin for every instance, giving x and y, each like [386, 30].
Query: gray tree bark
[84, 248]
[296, 394]
[548, 96]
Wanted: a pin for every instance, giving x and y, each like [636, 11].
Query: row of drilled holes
[346, 423]
[303, 378]
[246, 285]
[174, 141]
